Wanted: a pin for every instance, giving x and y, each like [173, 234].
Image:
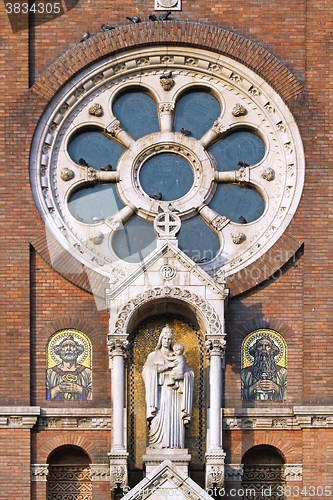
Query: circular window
[167, 175]
[159, 130]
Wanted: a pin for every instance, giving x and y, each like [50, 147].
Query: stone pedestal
[155, 456]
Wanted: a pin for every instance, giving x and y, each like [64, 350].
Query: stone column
[118, 455]
[166, 110]
[215, 454]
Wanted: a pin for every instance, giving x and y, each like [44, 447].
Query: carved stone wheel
[247, 105]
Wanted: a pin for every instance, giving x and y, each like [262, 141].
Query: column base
[155, 456]
[118, 469]
[214, 469]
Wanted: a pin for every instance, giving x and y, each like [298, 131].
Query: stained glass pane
[238, 146]
[198, 240]
[94, 203]
[168, 174]
[135, 240]
[196, 112]
[96, 149]
[137, 113]
[238, 201]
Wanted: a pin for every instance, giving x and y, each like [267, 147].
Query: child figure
[177, 372]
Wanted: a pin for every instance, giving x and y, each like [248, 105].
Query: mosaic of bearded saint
[68, 380]
[264, 379]
[169, 383]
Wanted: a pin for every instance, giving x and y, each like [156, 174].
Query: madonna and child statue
[169, 383]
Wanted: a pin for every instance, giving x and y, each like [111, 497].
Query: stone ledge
[296, 418]
[19, 417]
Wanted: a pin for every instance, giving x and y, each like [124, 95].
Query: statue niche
[169, 385]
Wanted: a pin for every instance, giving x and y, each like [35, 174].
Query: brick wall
[36, 299]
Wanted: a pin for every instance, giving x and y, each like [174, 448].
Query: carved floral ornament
[246, 101]
[126, 312]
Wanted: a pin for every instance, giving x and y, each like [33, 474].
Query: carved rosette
[97, 238]
[239, 110]
[268, 174]
[95, 110]
[238, 238]
[167, 83]
[100, 472]
[233, 472]
[39, 472]
[215, 347]
[66, 174]
[117, 347]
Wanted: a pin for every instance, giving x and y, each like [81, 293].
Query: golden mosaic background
[251, 339]
[143, 342]
[52, 359]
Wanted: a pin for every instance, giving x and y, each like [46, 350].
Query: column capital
[117, 347]
[215, 347]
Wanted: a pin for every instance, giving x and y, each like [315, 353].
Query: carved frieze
[39, 472]
[233, 472]
[293, 472]
[100, 472]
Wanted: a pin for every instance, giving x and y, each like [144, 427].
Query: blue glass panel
[196, 112]
[236, 201]
[238, 146]
[135, 240]
[198, 240]
[93, 204]
[137, 112]
[168, 174]
[96, 149]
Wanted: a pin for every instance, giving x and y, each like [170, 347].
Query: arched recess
[69, 473]
[263, 471]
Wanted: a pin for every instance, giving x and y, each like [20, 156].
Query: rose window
[151, 132]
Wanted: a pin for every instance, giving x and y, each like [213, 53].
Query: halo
[53, 359]
[251, 339]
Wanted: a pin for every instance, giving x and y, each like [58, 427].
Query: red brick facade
[288, 290]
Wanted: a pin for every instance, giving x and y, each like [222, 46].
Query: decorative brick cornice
[176, 32]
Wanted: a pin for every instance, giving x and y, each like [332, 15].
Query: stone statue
[169, 393]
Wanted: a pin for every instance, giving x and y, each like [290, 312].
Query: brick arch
[261, 322]
[68, 322]
[75, 439]
[173, 32]
[281, 445]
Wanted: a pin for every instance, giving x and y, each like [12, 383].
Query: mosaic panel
[68, 366]
[264, 366]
